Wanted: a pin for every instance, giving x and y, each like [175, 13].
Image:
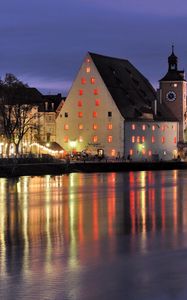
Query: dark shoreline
[59, 168]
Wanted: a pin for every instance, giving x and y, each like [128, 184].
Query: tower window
[80, 92]
[133, 126]
[66, 139]
[133, 139]
[163, 139]
[94, 114]
[97, 102]
[96, 92]
[87, 69]
[94, 126]
[143, 127]
[138, 139]
[66, 114]
[113, 152]
[153, 127]
[80, 114]
[80, 139]
[80, 126]
[143, 139]
[153, 139]
[66, 126]
[110, 126]
[109, 114]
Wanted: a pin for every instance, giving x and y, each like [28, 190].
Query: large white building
[112, 109]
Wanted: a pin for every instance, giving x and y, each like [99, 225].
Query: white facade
[151, 140]
[89, 119]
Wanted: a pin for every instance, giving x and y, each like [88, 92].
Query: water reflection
[80, 216]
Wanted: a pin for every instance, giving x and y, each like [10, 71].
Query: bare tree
[17, 114]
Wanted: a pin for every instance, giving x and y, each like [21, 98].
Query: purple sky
[43, 42]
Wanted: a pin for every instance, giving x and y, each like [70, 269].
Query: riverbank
[16, 168]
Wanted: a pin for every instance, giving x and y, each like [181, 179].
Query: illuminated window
[83, 80]
[80, 92]
[133, 126]
[133, 139]
[109, 114]
[113, 152]
[88, 60]
[143, 139]
[79, 103]
[153, 139]
[163, 127]
[153, 127]
[138, 139]
[66, 127]
[94, 126]
[66, 139]
[66, 114]
[143, 151]
[96, 92]
[174, 128]
[143, 127]
[110, 139]
[131, 152]
[80, 126]
[92, 80]
[94, 114]
[163, 139]
[80, 139]
[149, 152]
[95, 138]
[87, 69]
[175, 140]
[175, 84]
[110, 126]
[97, 102]
[80, 114]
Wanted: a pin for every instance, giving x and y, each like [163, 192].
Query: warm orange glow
[66, 139]
[143, 127]
[153, 139]
[153, 127]
[110, 139]
[138, 139]
[131, 152]
[80, 114]
[113, 152]
[95, 138]
[66, 126]
[133, 126]
[143, 151]
[92, 80]
[94, 114]
[95, 126]
[88, 70]
[80, 126]
[163, 139]
[110, 126]
[80, 92]
[143, 139]
[96, 92]
[83, 80]
[175, 140]
[149, 152]
[133, 139]
[163, 127]
[80, 139]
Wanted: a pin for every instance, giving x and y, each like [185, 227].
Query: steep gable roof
[131, 91]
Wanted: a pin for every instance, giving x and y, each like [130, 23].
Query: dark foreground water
[94, 236]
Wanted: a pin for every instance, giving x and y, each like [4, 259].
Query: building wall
[89, 96]
[178, 106]
[144, 140]
[47, 126]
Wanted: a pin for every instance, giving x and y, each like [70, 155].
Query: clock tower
[172, 91]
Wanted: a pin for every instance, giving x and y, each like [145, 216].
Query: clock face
[171, 96]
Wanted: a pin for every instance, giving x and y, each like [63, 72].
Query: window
[163, 139]
[110, 139]
[174, 128]
[175, 84]
[163, 128]
[66, 114]
[80, 139]
[131, 152]
[133, 139]
[153, 139]
[95, 139]
[143, 127]
[138, 139]
[109, 114]
[133, 126]
[79, 103]
[66, 139]
[113, 152]
[94, 126]
[110, 126]
[153, 127]
[66, 126]
[143, 151]
[80, 126]
[94, 114]
[80, 92]
[149, 152]
[143, 139]
[175, 140]
[92, 80]
[88, 60]
[80, 114]
[97, 102]
[96, 92]
[83, 80]
[87, 69]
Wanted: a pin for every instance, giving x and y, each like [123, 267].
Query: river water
[94, 236]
